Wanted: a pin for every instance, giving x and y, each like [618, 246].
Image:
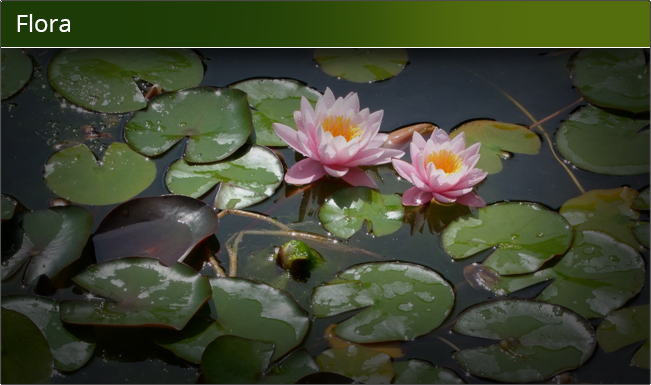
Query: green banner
[326, 24]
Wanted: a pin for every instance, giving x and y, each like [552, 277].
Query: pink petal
[472, 200]
[458, 144]
[365, 157]
[306, 109]
[415, 197]
[307, 145]
[404, 169]
[335, 170]
[352, 102]
[289, 136]
[454, 193]
[418, 140]
[338, 109]
[298, 118]
[415, 179]
[361, 116]
[475, 176]
[470, 151]
[378, 141]
[471, 161]
[357, 177]
[372, 127]
[439, 137]
[387, 155]
[442, 199]
[305, 171]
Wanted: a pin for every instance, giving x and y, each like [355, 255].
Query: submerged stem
[453, 346]
[218, 270]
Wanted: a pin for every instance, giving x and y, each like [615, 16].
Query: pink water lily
[337, 138]
[441, 169]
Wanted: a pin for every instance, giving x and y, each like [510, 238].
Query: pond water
[443, 86]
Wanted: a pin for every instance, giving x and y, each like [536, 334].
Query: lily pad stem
[218, 270]
[249, 214]
[453, 346]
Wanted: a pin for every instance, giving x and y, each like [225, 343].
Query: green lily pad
[274, 101]
[102, 79]
[422, 372]
[258, 311]
[642, 200]
[624, 327]
[345, 211]
[162, 227]
[217, 121]
[76, 175]
[437, 216]
[140, 292]
[600, 142]
[360, 363]
[613, 78]
[53, 238]
[190, 342]
[248, 177]
[537, 340]
[9, 205]
[608, 211]
[71, 347]
[526, 235]
[235, 360]
[641, 233]
[291, 369]
[16, 71]
[26, 356]
[361, 65]
[498, 140]
[401, 301]
[298, 259]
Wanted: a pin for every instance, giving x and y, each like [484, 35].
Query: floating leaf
[642, 200]
[422, 372]
[190, 342]
[217, 121]
[345, 211]
[498, 140]
[537, 340]
[250, 176]
[624, 327]
[526, 235]
[254, 310]
[361, 65]
[359, 363]
[298, 259]
[140, 292]
[401, 301]
[71, 347]
[326, 378]
[613, 78]
[16, 71]
[291, 369]
[76, 175]
[8, 207]
[608, 211]
[274, 101]
[641, 233]
[600, 142]
[162, 227]
[52, 239]
[26, 356]
[102, 79]
[392, 349]
[235, 360]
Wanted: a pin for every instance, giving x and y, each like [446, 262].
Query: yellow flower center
[445, 160]
[338, 126]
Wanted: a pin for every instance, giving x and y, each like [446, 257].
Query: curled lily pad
[274, 101]
[392, 349]
[9, 205]
[498, 140]
[359, 363]
[16, 71]
[624, 327]
[291, 369]
[401, 301]
[361, 65]
[641, 233]
[248, 177]
[608, 211]
[76, 175]
[604, 143]
[140, 292]
[422, 372]
[254, 310]
[235, 360]
[642, 200]
[102, 79]
[217, 121]
[537, 340]
[345, 211]
[26, 356]
[190, 342]
[526, 235]
[298, 259]
[71, 347]
[162, 227]
[52, 239]
[613, 78]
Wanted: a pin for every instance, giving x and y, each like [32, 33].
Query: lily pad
[597, 141]
[102, 79]
[437, 216]
[140, 292]
[235, 360]
[9, 205]
[613, 78]
[16, 71]
[401, 301]
[76, 175]
[345, 211]
[190, 342]
[71, 347]
[624, 327]
[608, 211]
[537, 340]
[291, 369]
[526, 236]
[162, 227]
[498, 140]
[52, 239]
[359, 363]
[255, 310]
[642, 200]
[217, 121]
[641, 233]
[274, 101]
[422, 372]
[248, 177]
[361, 65]
[326, 378]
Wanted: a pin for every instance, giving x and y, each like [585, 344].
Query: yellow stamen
[338, 126]
[445, 160]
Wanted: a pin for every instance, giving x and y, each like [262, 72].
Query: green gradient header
[331, 24]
